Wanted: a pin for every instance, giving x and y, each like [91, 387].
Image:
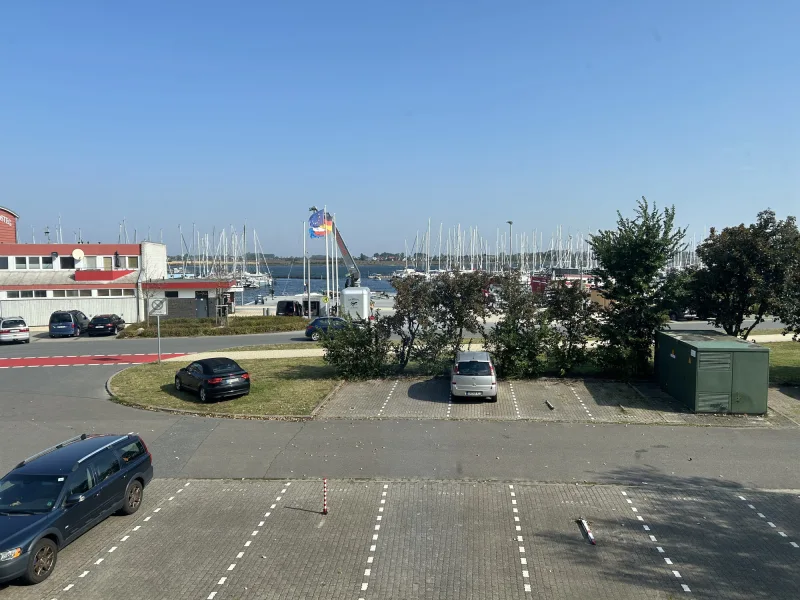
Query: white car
[14, 329]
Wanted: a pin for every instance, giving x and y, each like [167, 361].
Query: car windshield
[61, 318]
[226, 367]
[29, 493]
[474, 367]
[12, 323]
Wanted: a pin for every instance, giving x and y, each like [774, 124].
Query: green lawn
[292, 386]
[784, 363]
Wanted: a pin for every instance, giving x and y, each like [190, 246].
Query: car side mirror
[74, 499]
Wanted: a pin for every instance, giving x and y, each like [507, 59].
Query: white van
[473, 375]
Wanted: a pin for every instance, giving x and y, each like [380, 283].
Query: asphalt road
[42, 345]
[46, 405]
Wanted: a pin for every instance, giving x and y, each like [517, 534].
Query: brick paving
[578, 400]
[253, 539]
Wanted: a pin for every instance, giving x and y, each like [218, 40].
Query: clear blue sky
[471, 112]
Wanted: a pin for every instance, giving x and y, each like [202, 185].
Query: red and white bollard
[325, 496]
[588, 531]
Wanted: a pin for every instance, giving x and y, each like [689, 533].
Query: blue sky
[476, 112]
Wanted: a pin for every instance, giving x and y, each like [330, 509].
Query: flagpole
[305, 260]
[327, 266]
[336, 267]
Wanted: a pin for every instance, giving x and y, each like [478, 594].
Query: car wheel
[77, 332]
[178, 386]
[28, 341]
[203, 396]
[316, 336]
[133, 498]
[493, 399]
[42, 561]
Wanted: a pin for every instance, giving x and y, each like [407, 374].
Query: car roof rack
[72, 440]
[118, 438]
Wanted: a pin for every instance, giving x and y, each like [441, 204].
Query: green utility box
[710, 372]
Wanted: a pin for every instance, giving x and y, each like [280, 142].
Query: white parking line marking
[770, 523]
[247, 543]
[124, 538]
[677, 574]
[668, 561]
[761, 515]
[69, 587]
[232, 567]
[273, 505]
[794, 544]
[112, 549]
[147, 519]
[660, 549]
[255, 532]
[364, 587]
[222, 580]
[137, 528]
[261, 523]
[84, 574]
[685, 587]
[99, 560]
[211, 596]
[782, 534]
[370, 559]
[240, 555]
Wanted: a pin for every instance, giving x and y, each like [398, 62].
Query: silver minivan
[473, 375]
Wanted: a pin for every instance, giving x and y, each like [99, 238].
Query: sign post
[158, 309]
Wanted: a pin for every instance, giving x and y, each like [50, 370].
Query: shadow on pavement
[431, 390]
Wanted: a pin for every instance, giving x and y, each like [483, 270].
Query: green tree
[519, 340]
[459, 305]
[631, 259]
[359, 350]
[576, 318]
[746, 271]
[413, 314]
[789, 310]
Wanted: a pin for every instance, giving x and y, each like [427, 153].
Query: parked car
[324, 325]
[48, 500]
[14, 329]
[105, 325]
[68, 323]
[473, 375]
[214, 378]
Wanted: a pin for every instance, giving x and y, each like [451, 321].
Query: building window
[107, 263]
[66, 262]
[26, 294]
[90, 262]
[12, 294]
[21, 262]
[171, 294]
[128, 292]
[103, 293]
[116, 292]
[86, 293]
[47, 262]
[72, 293]
[133, 262]
[34, 262]
[3, 262]
[59, 294]
[40, 293]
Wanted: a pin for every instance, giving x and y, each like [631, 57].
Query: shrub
[209, 327]
[575, 316]
[358, 351]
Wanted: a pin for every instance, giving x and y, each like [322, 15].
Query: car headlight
[10, 554]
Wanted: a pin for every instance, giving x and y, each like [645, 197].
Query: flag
[320, 224]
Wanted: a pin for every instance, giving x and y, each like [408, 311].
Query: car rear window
[474, 367]
[12, 323]
[132, 451]
[227, 367]
[61, 318]
[101, 320]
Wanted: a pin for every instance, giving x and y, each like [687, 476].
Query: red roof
[66, 249]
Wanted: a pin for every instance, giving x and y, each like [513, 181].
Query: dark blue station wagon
[48, 500]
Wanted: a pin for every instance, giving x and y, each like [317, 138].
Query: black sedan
[213, 378]
[105, 325]
[322, 326]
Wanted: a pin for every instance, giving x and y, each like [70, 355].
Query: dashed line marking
[385, 402]
[69, 587]
[84, 574]
[771, 524]
[660, 549]
[521, 548]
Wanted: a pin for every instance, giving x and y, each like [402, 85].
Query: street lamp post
[510, 244]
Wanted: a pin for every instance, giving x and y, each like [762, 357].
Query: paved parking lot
[440, 540]
[580, 400]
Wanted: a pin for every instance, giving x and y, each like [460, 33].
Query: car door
[109, 482]
[193, 377]
[81, 515]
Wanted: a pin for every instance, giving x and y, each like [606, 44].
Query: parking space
[434, 540]
[553, 400]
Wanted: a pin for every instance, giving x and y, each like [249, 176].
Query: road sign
[325, 299]
[158, 307]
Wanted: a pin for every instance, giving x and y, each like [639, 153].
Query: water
[289, 281]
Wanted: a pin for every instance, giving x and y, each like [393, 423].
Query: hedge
[209, 327]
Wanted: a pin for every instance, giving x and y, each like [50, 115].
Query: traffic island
[286, 388]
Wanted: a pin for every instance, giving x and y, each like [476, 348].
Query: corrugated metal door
[750, 387]
[714, 381]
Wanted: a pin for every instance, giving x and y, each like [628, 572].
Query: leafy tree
[413, 314]
[746, 271]
[679, 291]
[576, 317]
[459, 305]
[518, 341]
[360, 350]
[789, 310]
[631, 259]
